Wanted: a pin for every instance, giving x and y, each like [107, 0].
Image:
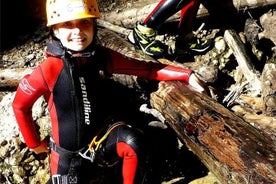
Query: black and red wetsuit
[74, 88]
[167, 8]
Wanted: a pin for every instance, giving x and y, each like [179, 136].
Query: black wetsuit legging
[166, 8]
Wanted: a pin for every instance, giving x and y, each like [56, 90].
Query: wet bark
[231, 148]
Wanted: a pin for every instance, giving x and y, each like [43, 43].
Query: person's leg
[186, 39]
[188, 17]
[144, 34]
[164, 10]
[125, 143]
[130, 162]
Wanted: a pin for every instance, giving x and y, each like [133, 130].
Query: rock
[268, 22]
[19, 163]
[209, 179]
[9, 128]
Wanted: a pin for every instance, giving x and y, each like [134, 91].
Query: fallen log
[123, 31]
[118, 44]
[9, 78]
[244, 62]
[231, 148]
[128, 17]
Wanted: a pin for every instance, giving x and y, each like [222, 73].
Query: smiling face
[75, 35]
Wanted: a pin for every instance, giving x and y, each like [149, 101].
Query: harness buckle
[88, 154]
[93, 147]
[65, 179]
[56, 179]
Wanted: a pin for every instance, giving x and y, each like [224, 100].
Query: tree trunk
[128, 17]
[231, 148]
[9, 78]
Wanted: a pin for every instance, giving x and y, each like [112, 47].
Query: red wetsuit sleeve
[148, 70]
[31, 87]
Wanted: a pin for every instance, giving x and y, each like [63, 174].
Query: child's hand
[197, 84]
[42, 148]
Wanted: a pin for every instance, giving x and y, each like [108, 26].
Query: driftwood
[231, 148]
[245, 65]
[264, 84]
[113, 27]
[250, 76]
[128, 17]
[9, 78]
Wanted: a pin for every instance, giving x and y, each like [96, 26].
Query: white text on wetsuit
[86, 102]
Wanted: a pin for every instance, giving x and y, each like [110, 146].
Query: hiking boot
[196, 45]
[144, 37]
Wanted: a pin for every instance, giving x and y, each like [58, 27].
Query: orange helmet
[65, 10]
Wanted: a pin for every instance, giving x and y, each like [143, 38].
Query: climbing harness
[93, 147]
[76, 156]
